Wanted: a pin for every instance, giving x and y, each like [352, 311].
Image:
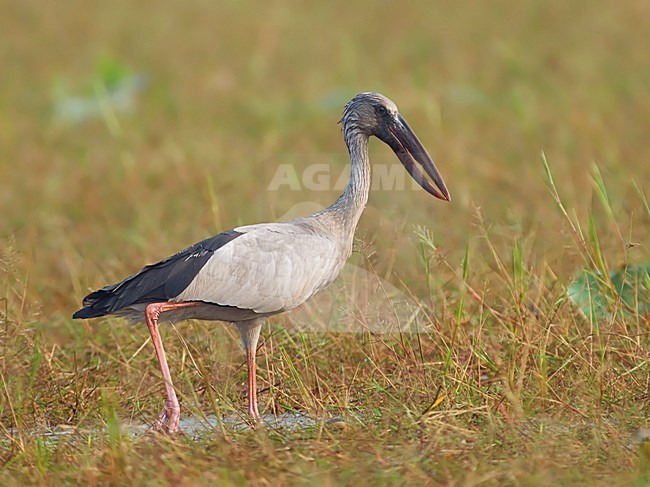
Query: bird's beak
[409, 149]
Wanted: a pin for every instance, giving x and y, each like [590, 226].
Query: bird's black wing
[156, 282]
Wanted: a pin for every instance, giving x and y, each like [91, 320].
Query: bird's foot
[168, 420]
[255, 420]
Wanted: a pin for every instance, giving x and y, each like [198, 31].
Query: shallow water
[198, 426]
[192, 426]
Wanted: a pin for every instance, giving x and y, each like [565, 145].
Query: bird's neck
[348, 208]
[356, 192]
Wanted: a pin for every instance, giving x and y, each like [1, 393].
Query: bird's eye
[381, 110]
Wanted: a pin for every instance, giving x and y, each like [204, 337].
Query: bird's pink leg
[168, 420]
[249, 331]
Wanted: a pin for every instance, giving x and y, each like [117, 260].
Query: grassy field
[508, 382]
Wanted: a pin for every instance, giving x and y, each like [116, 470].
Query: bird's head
[374, 114]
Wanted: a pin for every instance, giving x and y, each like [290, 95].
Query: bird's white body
[271, 268]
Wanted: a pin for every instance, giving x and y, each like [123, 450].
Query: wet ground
[192, 426]
[197, 426]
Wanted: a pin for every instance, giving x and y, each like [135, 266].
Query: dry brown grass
[508, 383]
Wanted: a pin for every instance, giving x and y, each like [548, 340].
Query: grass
[537, 115]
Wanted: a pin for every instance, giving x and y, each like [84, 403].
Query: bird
[244, 275]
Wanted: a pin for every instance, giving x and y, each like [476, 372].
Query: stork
[252, 272]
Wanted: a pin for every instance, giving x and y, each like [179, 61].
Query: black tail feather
[89, 312]
[97, 303]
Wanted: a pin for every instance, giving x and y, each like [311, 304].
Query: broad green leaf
[627, 289]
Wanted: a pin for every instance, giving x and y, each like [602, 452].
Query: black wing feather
[156, 282]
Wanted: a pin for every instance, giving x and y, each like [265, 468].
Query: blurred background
[129, 131]
[219, 94]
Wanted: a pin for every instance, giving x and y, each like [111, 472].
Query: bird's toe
[168, 421]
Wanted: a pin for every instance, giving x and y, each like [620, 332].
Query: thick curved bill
[409, 149]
